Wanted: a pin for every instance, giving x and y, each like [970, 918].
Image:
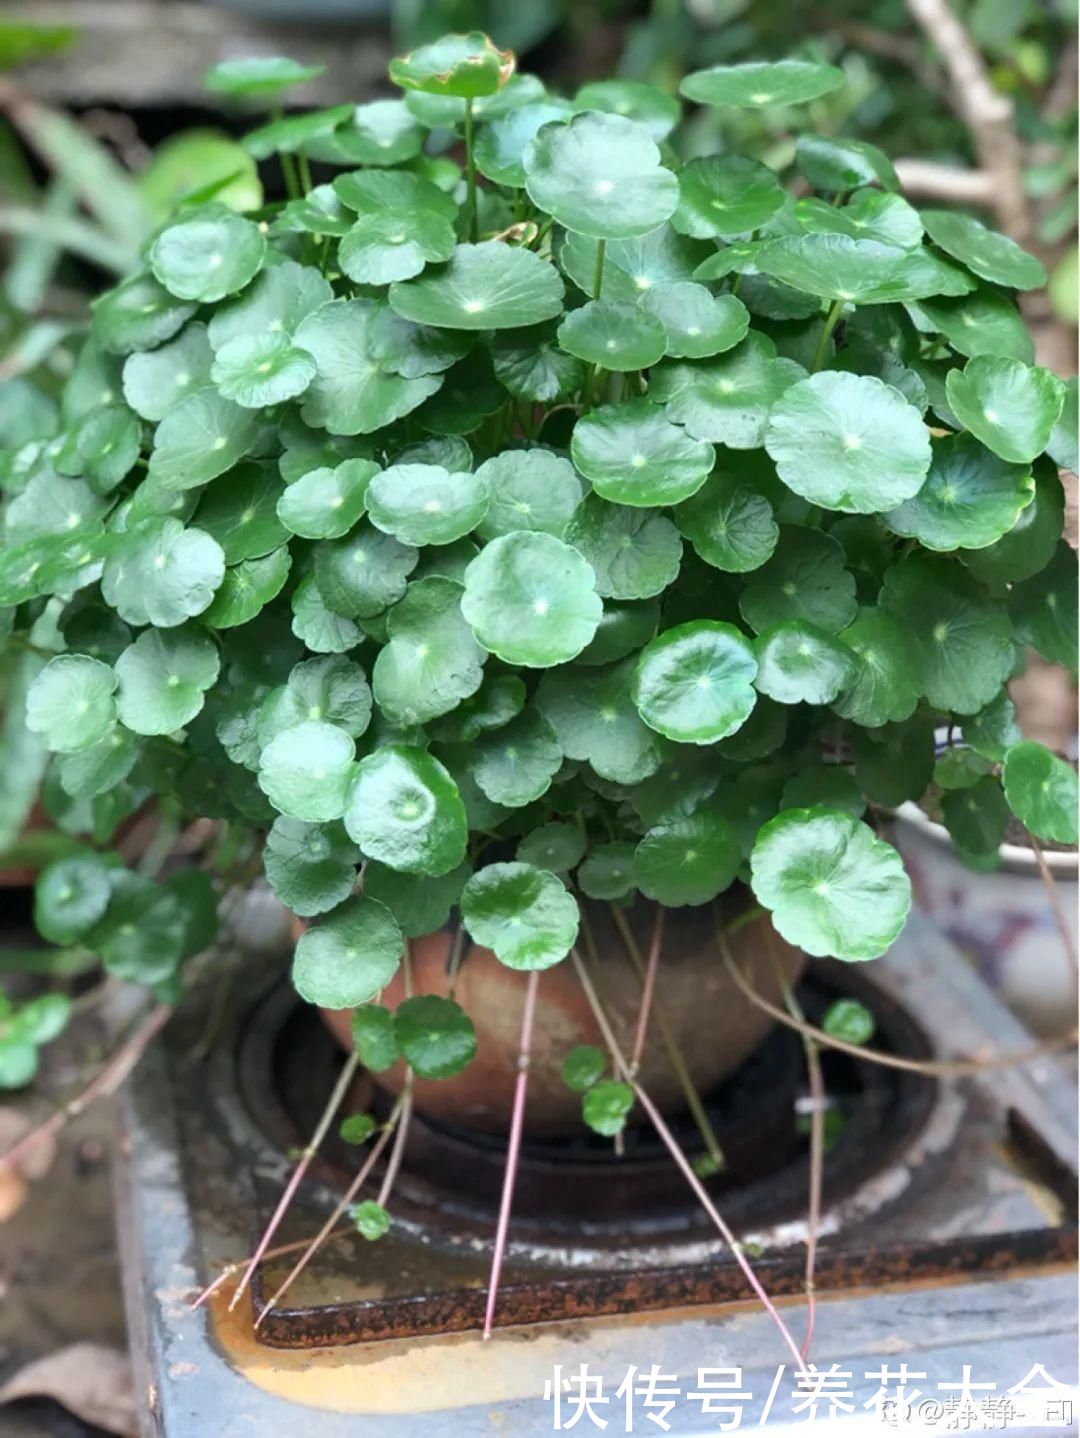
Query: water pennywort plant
[632, 523]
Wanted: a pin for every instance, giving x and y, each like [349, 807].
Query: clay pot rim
[1014, 857]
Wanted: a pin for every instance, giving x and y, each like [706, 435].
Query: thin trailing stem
[647, 990]
[296, 1178]
[818, 1100]
[105, 1082]
[311, 1247]
[517, 1118]
[832, 319]
[457, 953]
[305, 172]
[1054, 898]
[470, 175]
[288, 168]
[938, 1068]
[683, 1164]
[678, 1063]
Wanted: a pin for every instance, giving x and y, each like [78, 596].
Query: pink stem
[517, 1119]
[325, 1119]
[647, 990]
[105, 1082]
[684, 1166]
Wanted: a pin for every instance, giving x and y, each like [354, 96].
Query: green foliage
[627, 516]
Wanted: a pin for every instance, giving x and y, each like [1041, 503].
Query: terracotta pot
[714, 1027]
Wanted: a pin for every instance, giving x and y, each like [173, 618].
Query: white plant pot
[1001, 920]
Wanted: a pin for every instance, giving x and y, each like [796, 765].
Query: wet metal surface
[976, 1197]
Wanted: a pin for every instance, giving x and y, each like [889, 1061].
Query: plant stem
[288, 168]
[314, 1244]
[470, 175]
[598, 270]
[831, 321]
[457, 951]
[684, 1165]
[517, 1117]
[678, 1063]
[818, 1099]
[107, 1080]
[647, 990]
[939, 1068]
[305, 172]
[306, 1157]
[1047, 876]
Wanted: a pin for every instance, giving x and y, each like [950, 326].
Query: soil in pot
[714, 1027]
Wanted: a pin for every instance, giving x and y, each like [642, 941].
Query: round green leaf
[1008, 405]
[261, 370]
[515, 764]
[849, 1020]
[310, 867]
[163, 678]
[558, 847]
[531, 366]
[848, 442]
[240, 513]
[161, 573]
[382, 132]
[431, 661]
[70, 896]
[600, 175]
[985, 322]
[651, 108]
[370, 192]
[594, 718]
[976, 816]
[425, 504]
[155, 381]
[325, 503]
[529, 489]
[964, 638]
[987, 254]
[969, 500]
[725, 195]
[634, 455]
[404, 810]
[582, 1066]
[1042, 791]
[306, 771]
[106, 445]
[142, 936]
[624, 628]
[201, 437]
[295, 132]
[395, 245]
[896, 761]
[420, 904]
[139, 314]
[208, 256]
[524, 915]
[634, 553]
[274, 304]
[614, 336]
[805, 579]
[258, 75]
[350, 393]
[347, 958]
[490, 286]
[463, 66]
[885, 686]
[828, 784]
[993, 730]
[689, 861]
[727, 400]
[531, 599]
[695, 683]
[759, 84]
[833, 888]
[435, 1035]
[632, 267]
[329, 690]
[607, 873]
[799, 664]
[835, 164]
[321, 629]
[730, 524]
[364, 573]
[1044, 609]
[71, 703]
[869, 214]
[696, 324]
[500, 145]
[606, 1106]
[104, 766]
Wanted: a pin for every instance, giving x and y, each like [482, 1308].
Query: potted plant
[539, 560]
